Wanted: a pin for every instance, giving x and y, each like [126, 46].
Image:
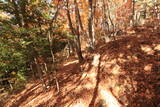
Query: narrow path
[77, 88]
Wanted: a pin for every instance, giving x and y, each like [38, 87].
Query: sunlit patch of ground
[109, 99]
[72, 62]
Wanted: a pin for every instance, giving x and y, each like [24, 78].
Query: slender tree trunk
[133, 12]
[78, 15]
[53, 60]
[78, 24]
[109, 16]
[90, 25]
[105, 21]
[69, 20]
[50, 39]
[74, 31]
[93, 25]
[40, 73]
[78, 48]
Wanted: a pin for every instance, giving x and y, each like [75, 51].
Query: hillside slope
[124, 72]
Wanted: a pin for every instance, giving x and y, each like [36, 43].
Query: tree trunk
[105, 20]
[93, 25]
[78, 15]
[133, 12]
[78, 48]
[78, 25]
[90, 25]
[74, 31]
[110, 19]
[40, 73]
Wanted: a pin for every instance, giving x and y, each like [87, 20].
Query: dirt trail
[77, 88]
[118, 74]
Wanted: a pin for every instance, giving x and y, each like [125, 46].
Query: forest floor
[123, 72]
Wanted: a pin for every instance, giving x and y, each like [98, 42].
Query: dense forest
[79, 53]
